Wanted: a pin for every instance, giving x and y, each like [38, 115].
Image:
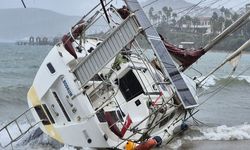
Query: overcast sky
[78, 7]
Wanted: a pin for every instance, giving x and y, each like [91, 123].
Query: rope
[149, 4]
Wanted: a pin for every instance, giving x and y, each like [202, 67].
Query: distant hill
[21, 23]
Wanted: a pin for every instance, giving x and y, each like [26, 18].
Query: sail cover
[167, 63]
[184, 56]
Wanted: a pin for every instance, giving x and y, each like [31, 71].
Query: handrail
[16, 118]
[21, 131]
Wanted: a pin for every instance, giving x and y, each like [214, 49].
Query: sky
[79, 7]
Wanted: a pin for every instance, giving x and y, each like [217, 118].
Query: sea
[222, 121]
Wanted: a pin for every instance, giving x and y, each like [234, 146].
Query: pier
[39, 41]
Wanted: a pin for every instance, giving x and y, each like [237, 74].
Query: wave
[13, 94]
[220, 133]
[33, 140]
[214, 80]
[36, 139]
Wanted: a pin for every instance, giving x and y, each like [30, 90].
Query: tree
[155, 18]
[220, 23]
[214, 22]
[174, 15]
[235, 16]
[180, 22]
[188, 21]
[222, 9]
[167, 11]
[196, 22]
[150, 13]
[173, 22]
[246, 31]
[228, 23]
[160, 15]
[227, 13]
[164, 18]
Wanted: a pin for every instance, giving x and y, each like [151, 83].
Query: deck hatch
[130, 87]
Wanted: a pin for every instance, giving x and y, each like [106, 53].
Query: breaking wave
[33, 140]
[13, 94]
[240, 132]
[213, 80]
[218, 133]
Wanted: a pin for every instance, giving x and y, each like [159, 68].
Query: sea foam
[213, 80]
[240, 132]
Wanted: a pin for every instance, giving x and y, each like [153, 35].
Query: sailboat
[124, 89]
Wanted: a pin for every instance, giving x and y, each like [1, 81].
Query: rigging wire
[194, 7]
[237, 5]
[23, 4]
[207, 7]
[104, 9]
[149, 4]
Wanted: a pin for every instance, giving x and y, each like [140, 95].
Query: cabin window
[130, 87]
[116, 115]
[48, 113]
[51, 68]
[42, 115]
[100, 116]
[96, 78]
[61, 106]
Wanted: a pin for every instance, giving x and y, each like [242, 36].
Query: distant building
[31, 40]
[203, 26]
[39, 41]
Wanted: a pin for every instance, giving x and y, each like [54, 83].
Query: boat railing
[15, 129]
[134, 129]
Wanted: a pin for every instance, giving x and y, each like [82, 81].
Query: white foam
[210, 81]
[246, 78]
[175, 144]
[241, 132]
[68, 147]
